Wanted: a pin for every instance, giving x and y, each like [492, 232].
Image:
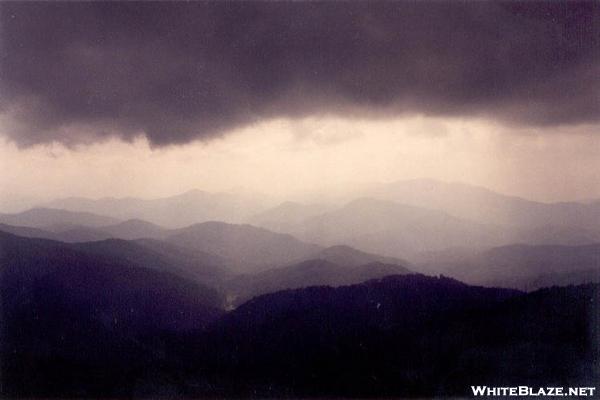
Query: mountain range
[147, 317]
[486, 206]
[214, 252]
[460, 200]
[111, 319]
[69, 227]
[393, 229]
[174, 212]
[400, 219]
[372, 227]
[400, 230]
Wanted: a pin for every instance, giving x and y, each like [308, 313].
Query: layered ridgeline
[88, 320]
[400, 230]
[408, 217]
[174, 211]
[376, 227]
[233, 258]
[244, 248]
[401, 219]
[321, 304]
[463, 201]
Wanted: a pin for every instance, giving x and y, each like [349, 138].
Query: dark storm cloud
[180, 71]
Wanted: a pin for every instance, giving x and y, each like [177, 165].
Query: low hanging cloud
[176, 72]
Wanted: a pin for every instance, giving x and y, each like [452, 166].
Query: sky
[289, 98]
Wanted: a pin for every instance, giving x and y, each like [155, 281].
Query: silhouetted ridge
[75, 323]
[402, 336]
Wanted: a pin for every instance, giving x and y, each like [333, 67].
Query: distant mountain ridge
[460, 200]
[193, 206]
[71, 226]
[393, 229]
[463, 212]
[486, 206]
[47, 217]
[522, 266]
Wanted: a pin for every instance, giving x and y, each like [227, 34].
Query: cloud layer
[175, 72]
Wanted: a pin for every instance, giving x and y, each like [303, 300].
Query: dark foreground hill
[400, 336]
[77, 323]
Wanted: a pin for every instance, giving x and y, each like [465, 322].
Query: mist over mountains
[488, 207]
[461, 213]
[418, 222]
[520, 266]
[176, 211]
[280, 256]
[400, 292]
